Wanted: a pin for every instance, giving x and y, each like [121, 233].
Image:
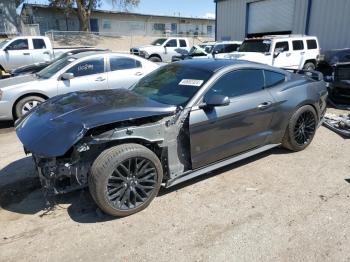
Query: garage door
[270, 16]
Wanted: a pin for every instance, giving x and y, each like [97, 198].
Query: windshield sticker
[85, 67]
[191, 82]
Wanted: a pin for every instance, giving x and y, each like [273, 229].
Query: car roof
[214, 65]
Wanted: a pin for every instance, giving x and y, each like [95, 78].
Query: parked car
[179, 122]
[35, 68]
[84, 71]
[209, 51]
[284, 51]
[335, 66]
[26, 50]
[162, 49]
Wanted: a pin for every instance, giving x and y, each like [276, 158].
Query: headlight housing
[143, 54]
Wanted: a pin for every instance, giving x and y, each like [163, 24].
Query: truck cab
[162, 49]
[20, 51]
[285, 51]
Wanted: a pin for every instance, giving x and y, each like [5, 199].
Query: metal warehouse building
[329, 20]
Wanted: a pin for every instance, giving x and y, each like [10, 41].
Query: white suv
[284, 51]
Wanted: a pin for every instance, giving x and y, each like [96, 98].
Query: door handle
[302, 53]
[26, 53]
[138, 74]
[264, 105]
[288, 54]
[46, 53]
[100, 79]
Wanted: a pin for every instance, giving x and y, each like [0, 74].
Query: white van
[284, 51]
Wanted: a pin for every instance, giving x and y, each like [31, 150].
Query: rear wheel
[301, 129]
[125, 179]
[309, 66]
[155, 59]
[26, 104]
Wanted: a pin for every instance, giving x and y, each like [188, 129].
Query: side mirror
[277, 52]
[215, 100]
[67, 76]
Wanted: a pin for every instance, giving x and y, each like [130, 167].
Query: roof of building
[122, 13]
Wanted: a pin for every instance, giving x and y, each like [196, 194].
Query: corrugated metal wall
[329, 21]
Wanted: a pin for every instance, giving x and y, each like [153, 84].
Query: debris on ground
[339, 124]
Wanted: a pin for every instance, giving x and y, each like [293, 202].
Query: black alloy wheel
[305, 128]
[132, 183]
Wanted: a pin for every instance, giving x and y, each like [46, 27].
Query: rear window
[123, 63]
[298, 45]
[311, 44]
[39, 44]
[273, 78]
[183, 43]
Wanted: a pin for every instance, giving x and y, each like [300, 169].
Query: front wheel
[155, 59]
[301, 129]
[125, 179]
[309, 66]
[26, 104]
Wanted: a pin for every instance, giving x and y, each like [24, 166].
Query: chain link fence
[113, 41]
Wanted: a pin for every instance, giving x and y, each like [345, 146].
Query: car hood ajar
[52, 128]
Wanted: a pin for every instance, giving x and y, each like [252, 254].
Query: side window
[273, 78]
[231, 48]
[183, 43]
[284, 46]
[89, 67]
[19, 44]
[172, 43]
[219, 49]
[238, 83]
[311, 44]
[298, 45]
[123, 63]
[39, 44]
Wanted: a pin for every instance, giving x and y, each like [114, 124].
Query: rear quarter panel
[290, 96]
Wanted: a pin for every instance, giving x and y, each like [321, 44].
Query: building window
[209, 29]
[159, 27]
[106, 24]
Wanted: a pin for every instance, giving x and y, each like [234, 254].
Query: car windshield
[52, 69]
[258, 46]
[174, 84]
[159, 41]
[3, 43]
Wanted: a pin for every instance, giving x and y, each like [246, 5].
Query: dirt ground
[278, 206]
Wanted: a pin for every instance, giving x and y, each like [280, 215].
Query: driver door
[89, 74]
[18, 54]
[221, 132]
[169, 49]
[283, 60]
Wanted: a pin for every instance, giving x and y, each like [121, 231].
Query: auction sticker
[191, 82]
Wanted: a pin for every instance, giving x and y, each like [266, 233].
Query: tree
[84, 8]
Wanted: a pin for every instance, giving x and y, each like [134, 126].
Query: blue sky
[191, 8]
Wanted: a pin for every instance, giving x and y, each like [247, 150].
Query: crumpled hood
[18, 80]
[52, 128]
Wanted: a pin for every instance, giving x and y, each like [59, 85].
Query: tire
[155, 59]
[301, 129]
[309, 66]
[27, 103]
[119, 193]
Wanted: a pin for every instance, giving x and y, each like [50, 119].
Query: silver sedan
[85, 71]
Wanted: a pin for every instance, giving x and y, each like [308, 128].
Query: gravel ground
[278, 206]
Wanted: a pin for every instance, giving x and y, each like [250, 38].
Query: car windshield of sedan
[159, 41]
[52, 69]
[258, 46]
[173, 84]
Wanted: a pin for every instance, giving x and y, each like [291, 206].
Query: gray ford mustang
[179, 122]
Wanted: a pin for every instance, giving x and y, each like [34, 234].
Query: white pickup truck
[25, 50]
[162, 49]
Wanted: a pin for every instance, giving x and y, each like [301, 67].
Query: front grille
[342, 72]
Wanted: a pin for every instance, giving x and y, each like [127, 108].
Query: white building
[122, 23]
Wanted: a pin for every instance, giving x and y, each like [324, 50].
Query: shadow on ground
[26, 197]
